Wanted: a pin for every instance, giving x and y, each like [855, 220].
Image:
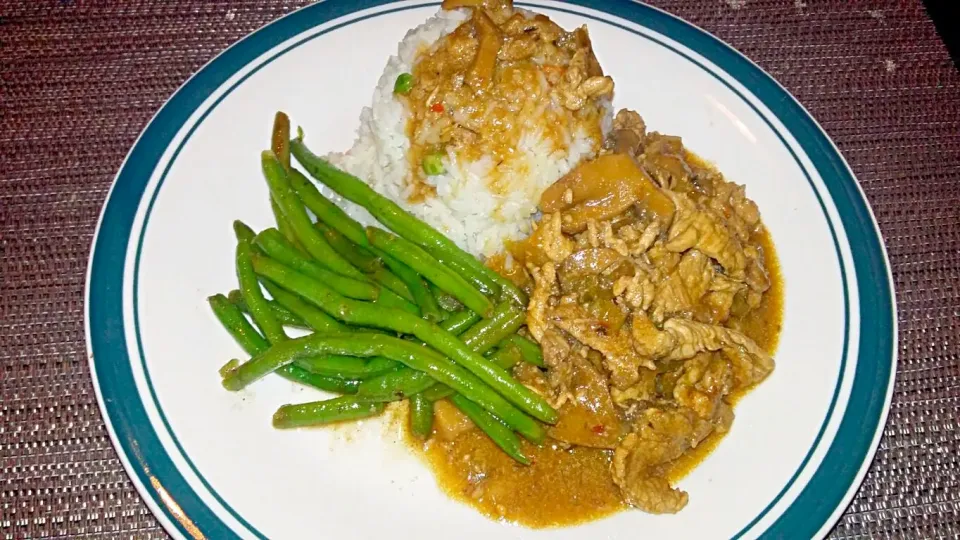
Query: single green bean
[499, 433]
[272, 242]
[402, 222]
[253, 343]
[282, 314]
[531, 351]
[237, 325]
[421, 262]
[412, 355]
[284, 226]
[425, 301]
[358, 256]
[296, 214]
[485, 335]
[507, 356]
[315, 318]
[395, 386]
[421, 416]
[280, 144]
[438, 392]
[334, 385]
[320, 413]
[457, 323]
[347, 367]
[243, 232]
[250, 286]
[365, 314]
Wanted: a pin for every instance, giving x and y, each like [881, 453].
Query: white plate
[208, 462]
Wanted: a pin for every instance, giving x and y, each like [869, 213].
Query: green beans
[322, 382]
[363, 314]
[386, 308]
[320, 413]
[325, 209]
[250, 286]
[237, 325]
[260, 312]
[531, 351]
[389, 299]
[457, 323]
[280, 139]
[361, 258]
[444, 300]
[253, 343]
[391, 282]
[315, 318]
[507, 356]
[296, 214]
[277, 247]
[421, 416]
[420, 261]
[347, 367]
[413, 355]
[418, 289]
[403, 223]
[282, 314]
[500, 434]
[395, 385]
[438, 392]
[484, 335]
[398, 279]
[481, 337]
[284, 226]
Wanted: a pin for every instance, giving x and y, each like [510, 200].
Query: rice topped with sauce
[502, 104]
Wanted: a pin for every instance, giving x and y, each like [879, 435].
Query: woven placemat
[78, 82]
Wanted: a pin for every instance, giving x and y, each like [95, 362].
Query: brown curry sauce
[569, 486]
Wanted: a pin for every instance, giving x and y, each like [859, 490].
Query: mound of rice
[478, 219]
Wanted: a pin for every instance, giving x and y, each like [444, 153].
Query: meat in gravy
[655, 297]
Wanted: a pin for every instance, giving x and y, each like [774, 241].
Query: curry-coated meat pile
[643, 267]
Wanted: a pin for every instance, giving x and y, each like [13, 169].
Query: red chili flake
[437, 107]
[598, 429]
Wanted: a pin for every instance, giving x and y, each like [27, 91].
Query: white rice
[464, 208]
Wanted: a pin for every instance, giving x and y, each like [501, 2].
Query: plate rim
[178, 523]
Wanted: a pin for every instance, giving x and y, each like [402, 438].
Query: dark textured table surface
[79, 80]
